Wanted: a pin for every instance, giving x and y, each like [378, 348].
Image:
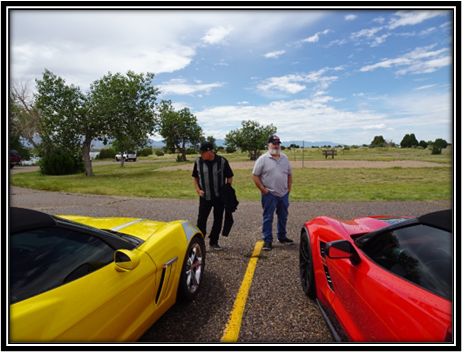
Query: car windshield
[421, 254]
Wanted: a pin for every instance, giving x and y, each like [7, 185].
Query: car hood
[138, 227]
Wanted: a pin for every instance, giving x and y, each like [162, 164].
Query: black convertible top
[24, 219]
[441, 219]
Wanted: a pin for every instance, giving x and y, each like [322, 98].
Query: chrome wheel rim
[194, 268]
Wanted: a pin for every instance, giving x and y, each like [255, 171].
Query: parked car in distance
[381, 278]
[79, 278]
[127, 156]
[15, 158]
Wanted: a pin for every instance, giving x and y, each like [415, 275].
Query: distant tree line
[410, 141]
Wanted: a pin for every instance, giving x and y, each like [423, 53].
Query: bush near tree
[61, 163]
[107, 153]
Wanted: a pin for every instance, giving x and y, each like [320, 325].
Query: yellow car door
[105, 305]
[65, 285]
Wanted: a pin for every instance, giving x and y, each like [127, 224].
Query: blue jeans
[271, 203]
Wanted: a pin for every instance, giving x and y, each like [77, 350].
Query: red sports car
[381, 279]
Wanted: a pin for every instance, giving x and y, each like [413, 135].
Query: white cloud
[300, 119]
[216, 35]
[414, 61]
[375, 127]
[303, 119]
[406, 18]
[350, 17]
[425, 87]
[275, 54]
[370, 36]
[295, 83]
[315, 38]
[180, 86]
[284, 83]
[368, 33]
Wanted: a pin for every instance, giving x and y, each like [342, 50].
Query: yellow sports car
[77, 278]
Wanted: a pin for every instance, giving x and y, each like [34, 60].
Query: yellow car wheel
[193, 269]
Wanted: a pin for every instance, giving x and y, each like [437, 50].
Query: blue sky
[343, 76]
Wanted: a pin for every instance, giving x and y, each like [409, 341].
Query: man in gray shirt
[272, 175]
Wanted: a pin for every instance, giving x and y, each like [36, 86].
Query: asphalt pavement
[277, 311]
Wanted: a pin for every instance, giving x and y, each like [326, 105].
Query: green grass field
[309, 184]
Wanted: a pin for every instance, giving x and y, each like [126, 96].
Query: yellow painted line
[233, 327]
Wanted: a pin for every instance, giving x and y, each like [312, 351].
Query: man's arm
[289, 182]
[229, 180]
[198, 189]
[259, 184]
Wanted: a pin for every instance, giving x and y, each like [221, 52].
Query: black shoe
[216, 247]
[285, 241]
[267, 246]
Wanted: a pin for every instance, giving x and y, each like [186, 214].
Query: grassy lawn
[310, 184]
[362, 153]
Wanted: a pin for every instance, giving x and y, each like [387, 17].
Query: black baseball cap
[274, 139]
[206, 146]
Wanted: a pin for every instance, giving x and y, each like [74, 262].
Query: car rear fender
[167, 249]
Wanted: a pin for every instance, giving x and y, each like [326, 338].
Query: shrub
[61, 164]
[144, 152]
[106, 153]
[230, 150]
[190, 151]
[159, 152]
[436, 149]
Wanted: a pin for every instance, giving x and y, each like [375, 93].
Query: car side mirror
[125, 260]
[342, 249]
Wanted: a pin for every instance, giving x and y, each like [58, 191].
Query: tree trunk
[86, 157]
[122, 159]
[183, 151]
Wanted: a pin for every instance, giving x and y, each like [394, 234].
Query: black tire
[306, 265]
[193, 269]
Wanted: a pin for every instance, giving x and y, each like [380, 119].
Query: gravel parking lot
[277, 311]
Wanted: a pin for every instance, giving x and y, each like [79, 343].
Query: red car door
[374, 304]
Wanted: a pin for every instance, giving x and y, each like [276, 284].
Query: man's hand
[259, 184]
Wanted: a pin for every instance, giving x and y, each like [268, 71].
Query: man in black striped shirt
[210, 173]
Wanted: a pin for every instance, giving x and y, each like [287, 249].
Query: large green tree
[251, 137]
[178, 128]
[69, 119]
[378, 141]
[409, 141]
[127, 105]
[24, 116]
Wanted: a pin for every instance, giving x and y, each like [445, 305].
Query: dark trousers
[205, 207]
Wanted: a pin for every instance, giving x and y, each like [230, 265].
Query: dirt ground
[329, 163]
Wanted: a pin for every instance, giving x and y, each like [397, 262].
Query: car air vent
[322, 248]
[329, 280]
